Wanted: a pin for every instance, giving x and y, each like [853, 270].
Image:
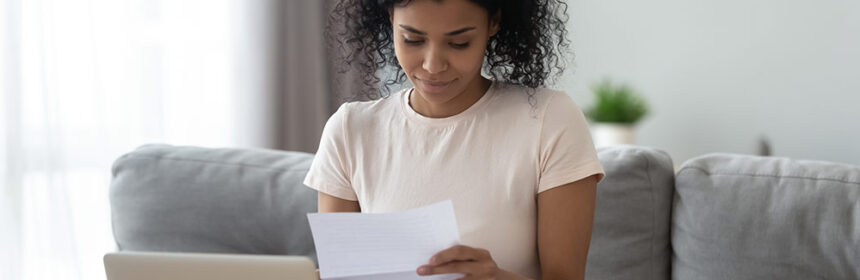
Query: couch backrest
[630, 238]
[730, 216]
[748, 217]
[193, 199]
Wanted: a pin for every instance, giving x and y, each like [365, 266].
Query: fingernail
[422, 270]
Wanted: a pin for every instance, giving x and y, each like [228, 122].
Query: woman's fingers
[473, 262]
[452, 267]
[459, 253]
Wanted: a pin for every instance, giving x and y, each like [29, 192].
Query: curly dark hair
[527, 50]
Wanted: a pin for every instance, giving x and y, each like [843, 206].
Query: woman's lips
[435, 86]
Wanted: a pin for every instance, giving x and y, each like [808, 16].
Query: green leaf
[616, 103]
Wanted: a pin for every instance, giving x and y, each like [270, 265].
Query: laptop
[128, 265]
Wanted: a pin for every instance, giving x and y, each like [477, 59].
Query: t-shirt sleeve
[330, 170]
[567, 152]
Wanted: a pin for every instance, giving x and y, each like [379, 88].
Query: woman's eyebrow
[419, 32]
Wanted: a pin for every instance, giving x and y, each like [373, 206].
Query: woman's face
[440, 45]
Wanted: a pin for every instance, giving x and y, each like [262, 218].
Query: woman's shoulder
[361, 112]
[536, 100]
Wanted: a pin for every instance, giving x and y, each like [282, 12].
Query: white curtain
[84, 81]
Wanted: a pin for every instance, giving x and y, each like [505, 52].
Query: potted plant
[616, 109]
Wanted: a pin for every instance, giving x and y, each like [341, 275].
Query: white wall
[721, 74]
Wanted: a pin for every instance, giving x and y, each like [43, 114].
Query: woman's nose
[435, 61]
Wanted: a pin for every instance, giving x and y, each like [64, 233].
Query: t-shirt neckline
[415, 116]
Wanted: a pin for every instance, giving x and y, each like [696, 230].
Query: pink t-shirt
[491, 160]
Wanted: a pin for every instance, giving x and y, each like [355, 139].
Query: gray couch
[721, 216]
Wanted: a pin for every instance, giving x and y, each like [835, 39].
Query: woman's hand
[475, 263]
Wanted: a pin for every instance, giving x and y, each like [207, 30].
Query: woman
[516, 159]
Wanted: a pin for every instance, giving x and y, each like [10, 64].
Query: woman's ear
[391, 15]
[495, 20]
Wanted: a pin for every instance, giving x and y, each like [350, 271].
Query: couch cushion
[630, 239]
[192, 199]
[748, 217]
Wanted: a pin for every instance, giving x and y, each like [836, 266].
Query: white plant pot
[611, 134]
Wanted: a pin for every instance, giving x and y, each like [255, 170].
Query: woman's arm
[565, 218]
[328, 203]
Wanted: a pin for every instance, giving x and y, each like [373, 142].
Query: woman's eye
[460, 46]
[412, 42]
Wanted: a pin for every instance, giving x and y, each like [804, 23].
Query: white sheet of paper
[353, 246]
